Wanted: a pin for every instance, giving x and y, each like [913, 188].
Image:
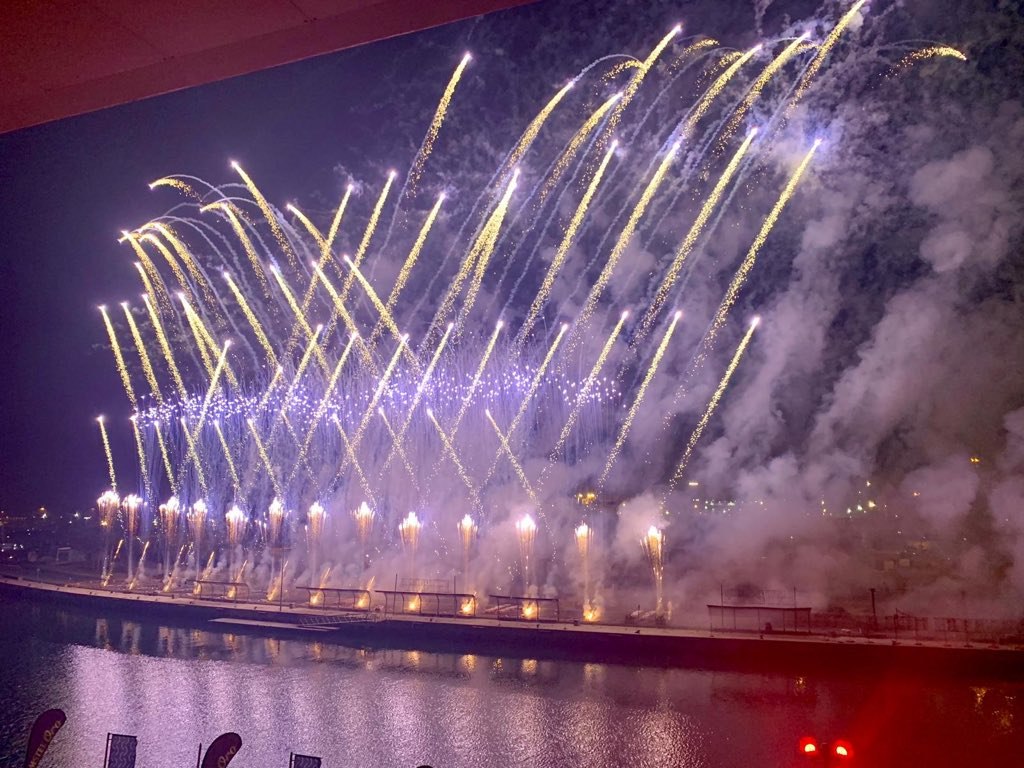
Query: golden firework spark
[435, 125]
[268, 214]
[558, 260]
[410, 262]
[227, 457]
[165, 457]
[705, 102]
[353, 459]
[468, 398]
[686, 246]
[186, 258]
[623, 240]
[141, 452]
[467, 528]
[165, 347]
[262, 450]
[122, 369]
[170, 514]
[633, 86]
[823, 51]
[535, 125]
[652, 369]
[316, 520]
[254, 323]
[401, 451]
[525, 404]
[595, 371]
[712, 404]
[929, 52]
[488, 240]
[420, 390]
[154, 283]
[178, 184]
[384, 314]
[575, 143]
[523, 479]
[371, 226]
[755, 90]
[107, 452]
[232, 214]
[343, 313]
[449, 447]
[194, 455]
[300, 317]
[172, 262]
[140, 346]
[748, 262]
[214, 380]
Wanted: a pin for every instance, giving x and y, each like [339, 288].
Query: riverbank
[649, 646]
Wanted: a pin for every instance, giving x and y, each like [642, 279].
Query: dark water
[174, 687]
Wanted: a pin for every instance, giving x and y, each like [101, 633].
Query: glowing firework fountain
[170, 514]
[467, 532]
[197, 516]
[526, 531]
[409, 529]
[654, 544]
[236, 523]
[131, 509]
[316, 521]
[364, 516]
[276, 516]
[584, 538]
[107, 505]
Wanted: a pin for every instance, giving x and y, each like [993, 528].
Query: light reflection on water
[175, 687]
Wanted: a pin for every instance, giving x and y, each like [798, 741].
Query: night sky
[892, 289]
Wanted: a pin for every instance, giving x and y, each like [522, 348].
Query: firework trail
[254, 323]
[446, 439]
[527, 398]
[193, 453]
[147, 365]
[584, 391]
[467, 528]
[929, 52]
[371, 227]
[488, 241]
[633, 86]
[154, 283]
[169, 258]
[235, 483]
[652, 369]
[574, 144]
[106, 450]
[384, 314]
[231, 214]
[558, 260]
[165, 347]
[141, 451]
[526, 532]
[712, 404]
[435, 127]
[268, 214]
[686, 246]
[584, 538]
[165, 457]
[523, 479]
[823, 51]
[178, 184]
[403, 274]
[401, 451]
[748, 262]
[122, 369]
[625, 236]
[182, 252]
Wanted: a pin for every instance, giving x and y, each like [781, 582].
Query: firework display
[411, 379]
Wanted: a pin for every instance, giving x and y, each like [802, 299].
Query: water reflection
[177, 686]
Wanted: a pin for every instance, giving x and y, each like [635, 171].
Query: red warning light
[808, 746]
[843, 750]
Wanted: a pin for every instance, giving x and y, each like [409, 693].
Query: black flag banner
[223, 748]
[120, 751]
[43, 731]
